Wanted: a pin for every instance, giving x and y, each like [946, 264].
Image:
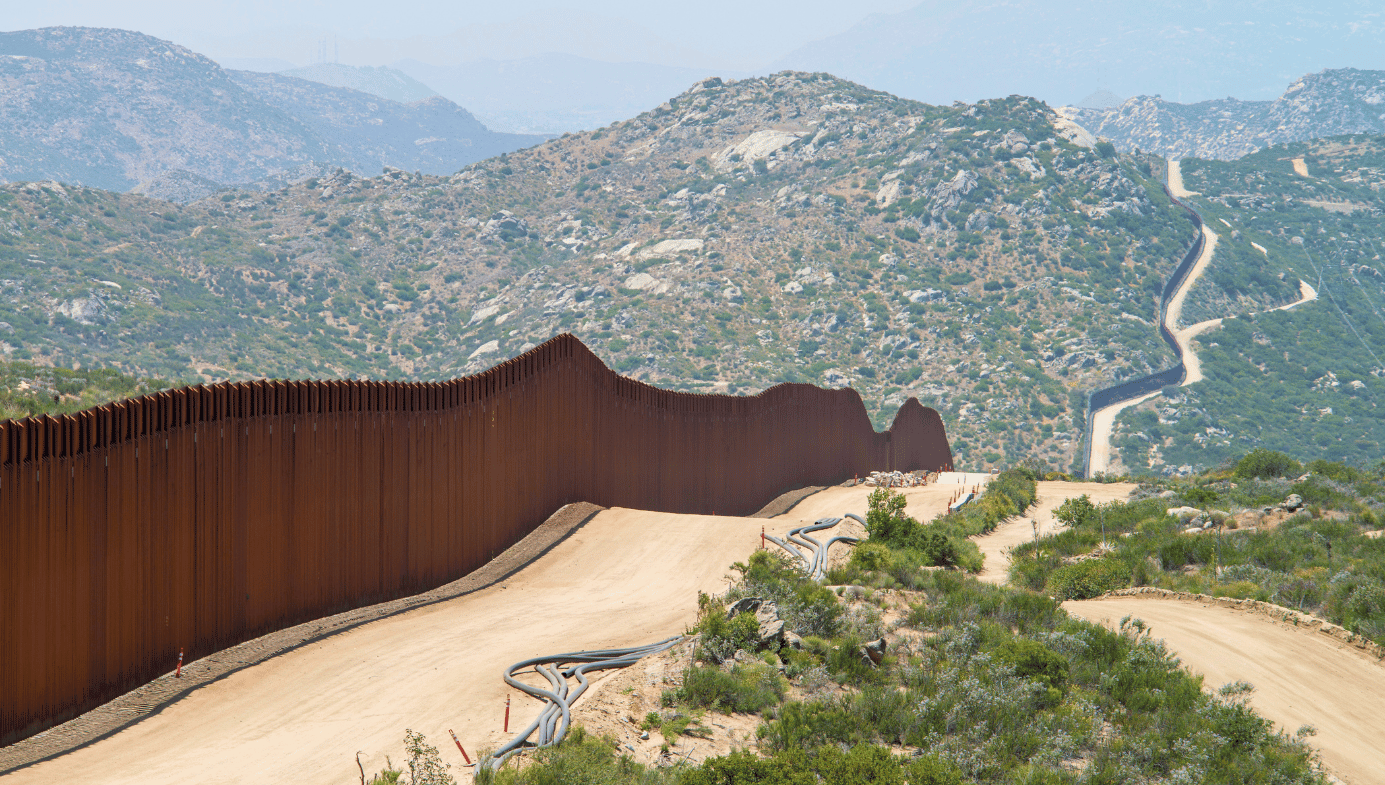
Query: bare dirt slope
[1300, 677]
[1019, 530]
[626, 577]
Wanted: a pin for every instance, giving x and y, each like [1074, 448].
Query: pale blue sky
[721, 33]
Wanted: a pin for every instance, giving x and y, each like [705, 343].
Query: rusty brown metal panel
[201, 517]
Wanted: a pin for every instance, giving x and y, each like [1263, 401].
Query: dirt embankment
[1301, 676]
[317, 694]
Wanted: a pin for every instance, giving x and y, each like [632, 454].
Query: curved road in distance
[1300, 677]
[1104, 420]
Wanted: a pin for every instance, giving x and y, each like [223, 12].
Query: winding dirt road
[1300, 677]
[1104, 420]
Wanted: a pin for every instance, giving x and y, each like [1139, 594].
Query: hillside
[1328, 103]
[377, 80]
[112, 109]
[794, 227]
[1307, 381]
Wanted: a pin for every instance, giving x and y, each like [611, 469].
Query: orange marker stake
[178, 674]
[465, 757]
[507, 713]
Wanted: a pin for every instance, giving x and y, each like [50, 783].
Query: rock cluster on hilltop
[1329, 103]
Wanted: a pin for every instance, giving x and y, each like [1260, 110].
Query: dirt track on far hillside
[1300, 677]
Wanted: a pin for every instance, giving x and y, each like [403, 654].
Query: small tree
[425, 764]
[1267, 463]
[1075, 512]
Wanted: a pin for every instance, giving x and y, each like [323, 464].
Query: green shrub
[580, 760]
[806, 607]
[1261, 462]
[932, 770]
[746, 688]
[1032, 660]
[1087, 579]
[864, 764]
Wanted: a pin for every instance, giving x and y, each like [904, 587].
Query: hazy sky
[724, 33]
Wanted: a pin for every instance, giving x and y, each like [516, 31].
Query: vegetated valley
[1308, 381]
[789, 228]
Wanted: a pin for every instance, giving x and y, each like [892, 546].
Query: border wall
[1173, 375]
[195, 519]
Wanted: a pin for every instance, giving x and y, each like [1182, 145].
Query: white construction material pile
[912, 479]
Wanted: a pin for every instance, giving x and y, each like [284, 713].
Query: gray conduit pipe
[813, 554]
[553, 722]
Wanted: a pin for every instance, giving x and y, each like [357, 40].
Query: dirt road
[1017, 531]
[1103, 420]
[626, 577]
[1300, 677]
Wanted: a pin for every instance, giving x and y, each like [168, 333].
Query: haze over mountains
[602, 69]
[113, 109]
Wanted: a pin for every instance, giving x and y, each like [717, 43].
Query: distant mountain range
[556, 93]
[114, 109]
[377, 80]
[940, 51]
[1330, 103]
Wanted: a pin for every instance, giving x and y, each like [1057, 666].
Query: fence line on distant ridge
[1169, 377]
[198, 518]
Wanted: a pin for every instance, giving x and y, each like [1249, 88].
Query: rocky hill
[793, 227]
[113, 109]
[1329, 103]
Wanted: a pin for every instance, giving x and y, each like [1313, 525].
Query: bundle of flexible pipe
[814, 554]
[553, 721]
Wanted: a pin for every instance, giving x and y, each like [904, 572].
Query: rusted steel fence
[198, 518]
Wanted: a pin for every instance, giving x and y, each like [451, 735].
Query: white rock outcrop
[667, 247]
[489, 347]
[758, 145]
[640, 281]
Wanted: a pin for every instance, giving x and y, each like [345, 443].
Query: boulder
[1184, 513]
[1293, 502]
[874, 651]
[771, 627]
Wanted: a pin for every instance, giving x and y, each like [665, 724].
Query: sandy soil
[627, 577]
[1300, 677]
[1300, 167]
[1017, 531]
[1186, 335]
[1103, 422]
[624, 578]
[1176, 180]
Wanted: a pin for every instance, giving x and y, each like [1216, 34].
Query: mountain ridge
[114, 108]
[1315, 106]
